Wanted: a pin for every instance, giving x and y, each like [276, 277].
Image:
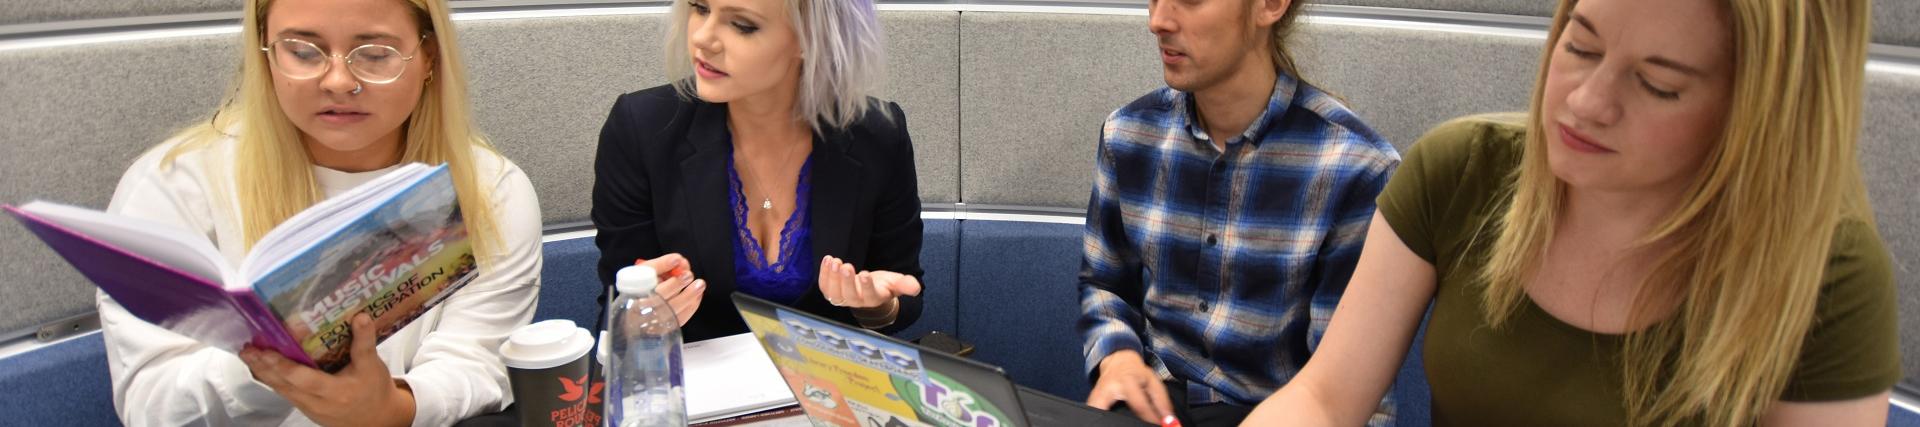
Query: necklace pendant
[766, 204]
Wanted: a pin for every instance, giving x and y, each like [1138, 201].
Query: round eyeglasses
[373, 63]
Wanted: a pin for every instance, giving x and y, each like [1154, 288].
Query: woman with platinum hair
[765, 168]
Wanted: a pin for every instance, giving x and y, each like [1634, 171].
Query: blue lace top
[784, 280]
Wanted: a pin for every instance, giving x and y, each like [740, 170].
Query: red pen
[1169, 421]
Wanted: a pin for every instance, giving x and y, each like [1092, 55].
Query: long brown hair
[1746, 250]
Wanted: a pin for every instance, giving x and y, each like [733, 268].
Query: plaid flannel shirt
[1223, 267]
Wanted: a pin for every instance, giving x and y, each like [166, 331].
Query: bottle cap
[636, 280]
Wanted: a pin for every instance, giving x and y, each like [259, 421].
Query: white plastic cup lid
[545, 345]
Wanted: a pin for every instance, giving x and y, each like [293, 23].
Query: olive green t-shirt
[1539, 370]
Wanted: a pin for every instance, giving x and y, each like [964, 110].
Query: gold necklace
[766, 199]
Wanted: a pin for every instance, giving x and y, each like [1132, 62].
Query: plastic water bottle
[643, 352]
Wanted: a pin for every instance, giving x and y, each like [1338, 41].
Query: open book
[393, 247]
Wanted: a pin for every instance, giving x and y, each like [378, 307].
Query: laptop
[851, 377]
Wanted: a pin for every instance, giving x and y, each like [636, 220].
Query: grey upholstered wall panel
[1504, 7]
[543, 87]
[35, 11]
[1407, 81]
[1031, 107]
[1888, 155]
[1893, 22]
[75, 118]
[1892, 19]
[923, 75]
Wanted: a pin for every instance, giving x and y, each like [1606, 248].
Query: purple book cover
[182, 302]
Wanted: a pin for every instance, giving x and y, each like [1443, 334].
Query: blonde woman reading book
[331, 94]
[1678, 234]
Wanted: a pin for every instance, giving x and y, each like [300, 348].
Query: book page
[163, 243]
[301, 232]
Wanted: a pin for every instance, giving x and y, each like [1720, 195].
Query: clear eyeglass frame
[327, 65]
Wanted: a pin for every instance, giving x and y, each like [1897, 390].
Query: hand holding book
[362, 393]
[392, 248]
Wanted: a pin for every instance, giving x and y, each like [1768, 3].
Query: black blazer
[660, 186]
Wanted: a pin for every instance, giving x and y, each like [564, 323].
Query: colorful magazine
[393, 248]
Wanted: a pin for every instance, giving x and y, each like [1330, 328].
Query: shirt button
[1213, 239]
[1204, 306]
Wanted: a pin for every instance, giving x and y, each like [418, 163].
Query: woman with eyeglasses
[331, 94]
[767, 167]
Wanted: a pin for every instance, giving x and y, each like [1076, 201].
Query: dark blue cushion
[1020, 300]
[1413, 400]
[939, 254]
[1902, 417]
[570, 282]
[65, 384]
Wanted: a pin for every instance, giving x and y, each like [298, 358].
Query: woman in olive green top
[1675, 235]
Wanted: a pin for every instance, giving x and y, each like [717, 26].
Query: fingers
[1137, 401]
[364, 340]
[672, 286]
[863, 295]
[897, 284]
[1157, 392]
[279, 373]
[826, 279]
[687, 302]
[837, 282]
[849, 294]
[1102, 397]
[669, 265]
[1114, 389]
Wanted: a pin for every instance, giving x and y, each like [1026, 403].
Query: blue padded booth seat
[570, 281]
[1902, 417]
[939, 256]
[1021, 299]
[65, 384]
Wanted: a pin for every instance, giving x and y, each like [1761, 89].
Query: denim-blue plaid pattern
[1228, 264]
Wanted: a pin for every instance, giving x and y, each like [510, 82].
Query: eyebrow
[740, 11]
[1582, 20]
[1676, 66]
[362, 37]
[1657, 60]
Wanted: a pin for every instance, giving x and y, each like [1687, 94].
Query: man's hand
[1124, 376]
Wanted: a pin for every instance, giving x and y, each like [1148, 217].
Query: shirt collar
[1284, 89]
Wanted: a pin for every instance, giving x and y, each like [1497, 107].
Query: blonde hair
[1747, 249]
[271, 170]
[842, 59]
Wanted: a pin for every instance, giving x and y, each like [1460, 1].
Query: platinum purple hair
[843, 59]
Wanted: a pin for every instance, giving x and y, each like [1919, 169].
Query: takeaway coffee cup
[547, 364]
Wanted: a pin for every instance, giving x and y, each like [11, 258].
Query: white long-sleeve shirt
[448, 356]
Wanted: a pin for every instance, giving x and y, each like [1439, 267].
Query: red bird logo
[576, 389]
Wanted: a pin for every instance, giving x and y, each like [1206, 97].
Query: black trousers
[509, 417]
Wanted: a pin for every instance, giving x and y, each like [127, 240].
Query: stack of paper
[731, 376]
